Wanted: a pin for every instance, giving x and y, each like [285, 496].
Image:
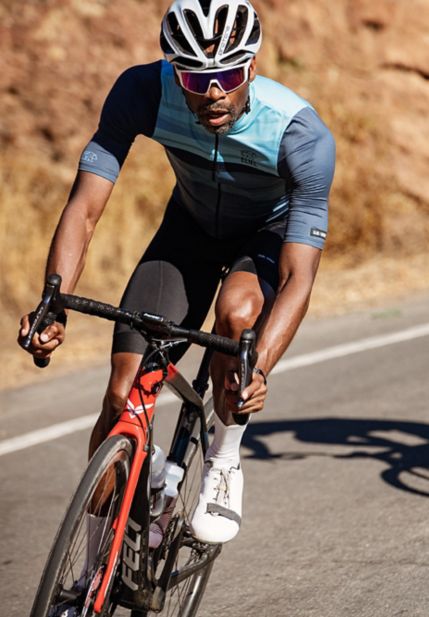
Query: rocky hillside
[363, 64]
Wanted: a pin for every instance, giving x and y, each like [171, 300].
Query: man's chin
[220, 129]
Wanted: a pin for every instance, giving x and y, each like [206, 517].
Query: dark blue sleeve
[307, 162]
[130, 109]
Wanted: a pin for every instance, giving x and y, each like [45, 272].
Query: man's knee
[124, 368]
[113, 404]
[115, 399]
[236, 312]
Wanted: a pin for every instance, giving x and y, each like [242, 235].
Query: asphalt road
[336, 480]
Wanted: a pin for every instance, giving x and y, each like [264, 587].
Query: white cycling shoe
[217, 516]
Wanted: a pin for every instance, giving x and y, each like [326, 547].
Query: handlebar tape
[214, 341]
[154, 324]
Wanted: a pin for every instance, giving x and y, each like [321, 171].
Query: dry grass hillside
[363, 65]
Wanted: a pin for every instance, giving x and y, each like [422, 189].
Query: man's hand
[253, 395]
[45, 343]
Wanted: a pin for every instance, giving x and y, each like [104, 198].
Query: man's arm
[306, 161]
[75, 229]
[69, 246]
[297, 267]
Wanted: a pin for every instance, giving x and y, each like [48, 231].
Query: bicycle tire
[111, 462]
[183, 599]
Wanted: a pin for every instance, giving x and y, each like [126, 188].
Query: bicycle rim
[183, 599]
[68, 579]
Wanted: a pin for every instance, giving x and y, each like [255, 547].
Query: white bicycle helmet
[208, 34]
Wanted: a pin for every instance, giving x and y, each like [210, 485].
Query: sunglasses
[200, 82]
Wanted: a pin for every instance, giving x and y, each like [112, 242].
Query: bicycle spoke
[66, 579]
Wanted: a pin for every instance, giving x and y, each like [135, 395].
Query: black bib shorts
[180, 271]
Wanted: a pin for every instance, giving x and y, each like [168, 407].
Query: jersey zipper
[217, 215]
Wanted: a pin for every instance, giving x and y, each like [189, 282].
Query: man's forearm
[69, 246]
[289, 309]
[75, 229]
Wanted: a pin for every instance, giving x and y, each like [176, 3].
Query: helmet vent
[232, 58]
[238, 30]
[178, 35]
[188, 63]
[205, 6]
[255, 35]
[194, 25]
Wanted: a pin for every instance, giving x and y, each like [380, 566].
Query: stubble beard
[203, 115]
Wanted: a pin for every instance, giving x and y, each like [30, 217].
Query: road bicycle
[116, 488]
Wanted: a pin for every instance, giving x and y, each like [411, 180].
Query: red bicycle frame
[135, 423]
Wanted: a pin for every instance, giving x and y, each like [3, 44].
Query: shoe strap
[215, 508]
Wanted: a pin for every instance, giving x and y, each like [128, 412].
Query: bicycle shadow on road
[403, 446]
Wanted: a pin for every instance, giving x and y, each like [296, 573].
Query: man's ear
[252, 69]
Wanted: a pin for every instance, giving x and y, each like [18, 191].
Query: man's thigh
[260, 254]
[253, 277]
[174, 278]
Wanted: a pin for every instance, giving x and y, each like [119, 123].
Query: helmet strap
[246, 109]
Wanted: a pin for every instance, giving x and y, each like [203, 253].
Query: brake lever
[247, 361]
[42, 317]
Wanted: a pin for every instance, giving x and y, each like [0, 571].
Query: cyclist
[253, 164]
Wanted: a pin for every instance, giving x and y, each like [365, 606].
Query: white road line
[55, 431]
[79, 424]
[347, 349]
[46, 434]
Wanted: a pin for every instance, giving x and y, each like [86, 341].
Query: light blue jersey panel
[175, 126]
[257, 135]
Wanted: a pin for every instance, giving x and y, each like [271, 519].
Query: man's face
[216, 110]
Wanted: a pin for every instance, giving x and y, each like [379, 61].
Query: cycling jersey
[276, 161]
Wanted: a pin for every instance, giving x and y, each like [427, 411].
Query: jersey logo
[248, 157]
[89, 156]
[318, 233]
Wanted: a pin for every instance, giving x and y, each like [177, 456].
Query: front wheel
[70, 581]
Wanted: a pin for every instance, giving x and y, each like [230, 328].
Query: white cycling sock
[225, 447]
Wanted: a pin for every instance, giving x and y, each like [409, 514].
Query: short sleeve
[130, 109]
[307, 163]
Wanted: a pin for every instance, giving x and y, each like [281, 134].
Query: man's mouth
[215, 118]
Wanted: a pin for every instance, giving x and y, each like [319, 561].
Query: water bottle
[173, 476]
[157, 481]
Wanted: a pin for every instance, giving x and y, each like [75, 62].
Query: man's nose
[215, 93]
